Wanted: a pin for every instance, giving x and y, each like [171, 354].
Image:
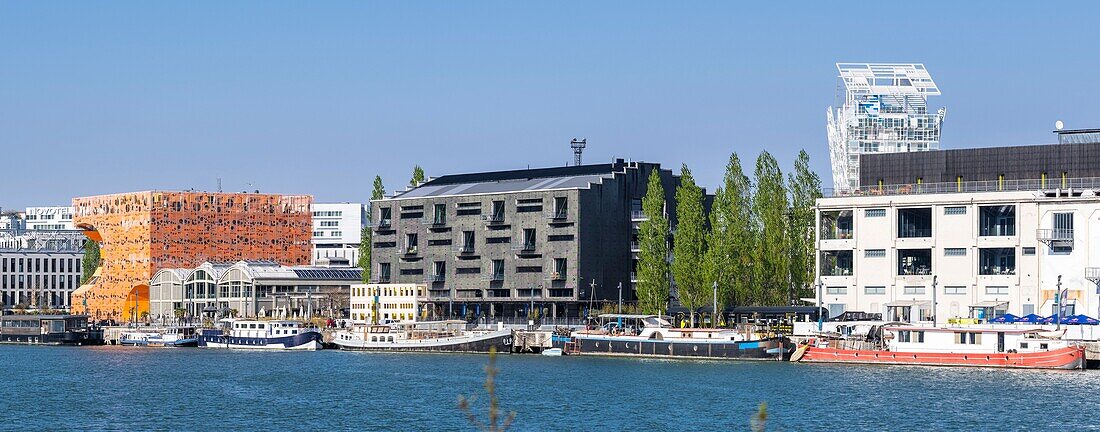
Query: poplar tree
[728, 258]
[90, 262]
[653, 269]
[689, 245]
[366, 241]
[805, 189]
[417, 178]
[771, 253]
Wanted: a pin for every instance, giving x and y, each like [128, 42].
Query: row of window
[55, 282]
[40, 265]
[331, 234]
[497, 210]
[916, 290]
[916, 222]
[991, 261]
[439, 270]
[328, 213]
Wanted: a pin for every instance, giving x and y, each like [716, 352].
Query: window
[1028, 251]
[468, 242]
[968, 338]
[954, 251]
[836, 225]
[910, 336]
[440, 215]
[559, 268]
[318, 233]
[997, 221]
[439, 271]
[336, 233]
[915, 222]
[996, 290]
[498, 269]
[411, 242]
[874, 213]
[836, 263]
[836, 290]
[385, 216]
[384, 272]
[498, 212]
[952, 211]
[561, 207]
[913, 290]
[330, 223]
[997, 261]
[913, 262]
[874, 253]
[874, 290]
[954, 290]
[1062, 235]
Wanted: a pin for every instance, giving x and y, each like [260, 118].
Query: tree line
[756, 246]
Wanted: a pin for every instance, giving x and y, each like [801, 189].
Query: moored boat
[426, 336]
[261, 335]
[653, 336]
[49, 330]
[169, 337]
[949, 346]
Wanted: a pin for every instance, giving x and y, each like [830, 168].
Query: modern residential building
[965, 233]
[251, 289]
[142, 232]
[338, 230]
[390, 302]
[39, 269]
[558, 240]
[885, 110]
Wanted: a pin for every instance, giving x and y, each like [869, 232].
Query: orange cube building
[142, 232]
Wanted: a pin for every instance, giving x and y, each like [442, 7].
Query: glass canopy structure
[885, 110]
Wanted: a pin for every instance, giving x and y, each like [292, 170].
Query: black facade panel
[978, 164]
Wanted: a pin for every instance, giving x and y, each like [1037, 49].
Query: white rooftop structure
[885, 110]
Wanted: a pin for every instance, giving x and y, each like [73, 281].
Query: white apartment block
[391, 302]
[49, 218]
[338, 230]
[984, 253]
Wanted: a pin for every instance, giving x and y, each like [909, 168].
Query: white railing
[969, 186]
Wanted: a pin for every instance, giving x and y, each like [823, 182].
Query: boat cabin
[967, 340]
[28, 325]
[262, 329]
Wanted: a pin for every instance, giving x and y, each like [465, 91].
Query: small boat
[553, 352]
[49, 330]
[261, 335]
[169, 337]
[426, 336]
[653, 336]
[948, 346]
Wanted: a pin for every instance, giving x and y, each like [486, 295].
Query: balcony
[638, 216]
[410, 250]
[494, 277]
[525, 246]
[381, 279]
[493, 219]
[383, 225]
[1092, 274]
[466, 249]
[635, 246]
[836, 225]
[556, 276]
[1050, 236]
[558, 216]
[435, 278]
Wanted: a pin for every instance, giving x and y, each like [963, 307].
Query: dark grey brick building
[494, 243]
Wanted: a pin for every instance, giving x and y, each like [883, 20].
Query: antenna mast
[578, 147]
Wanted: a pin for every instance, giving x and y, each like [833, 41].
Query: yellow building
[387, 302]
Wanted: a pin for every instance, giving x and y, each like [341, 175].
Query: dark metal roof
[570, 177]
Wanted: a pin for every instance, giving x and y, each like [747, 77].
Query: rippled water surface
[114, 388]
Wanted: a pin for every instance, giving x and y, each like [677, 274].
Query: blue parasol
[1081, 319]
[1006, 318]
[1030, 318]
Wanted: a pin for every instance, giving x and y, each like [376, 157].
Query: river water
[117, 388]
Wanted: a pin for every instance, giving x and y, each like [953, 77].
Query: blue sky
[318, 97]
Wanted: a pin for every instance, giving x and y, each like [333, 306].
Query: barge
[49, 330]
[427, 336]
[653, 336]
[949, 346]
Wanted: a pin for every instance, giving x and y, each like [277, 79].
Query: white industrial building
[338, 231]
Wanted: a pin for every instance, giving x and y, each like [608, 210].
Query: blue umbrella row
[1036, 319]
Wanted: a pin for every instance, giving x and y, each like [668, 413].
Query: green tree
[366, 241]
[90, 262]
[728, 258]
[418, 176]
[689, 245]
[771, 254]
[653, 257]
[805, 189]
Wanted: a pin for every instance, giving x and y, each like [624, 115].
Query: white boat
[169, 337]
[553, 352]
[428, 336]
[259, 334]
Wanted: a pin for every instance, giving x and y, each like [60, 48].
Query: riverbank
[140, 389]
